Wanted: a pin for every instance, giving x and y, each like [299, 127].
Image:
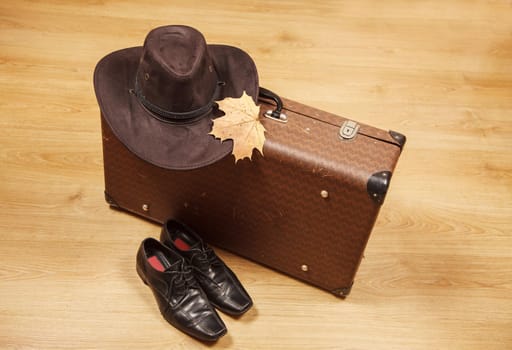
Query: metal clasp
[348, 130]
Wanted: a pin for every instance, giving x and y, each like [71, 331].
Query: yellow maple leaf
[240, 124]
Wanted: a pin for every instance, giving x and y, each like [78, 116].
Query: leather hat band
[173, 117]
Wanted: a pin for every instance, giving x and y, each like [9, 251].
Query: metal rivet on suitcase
[324, 194]
[304, 268]
[145, 207]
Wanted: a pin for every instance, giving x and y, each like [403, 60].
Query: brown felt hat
[159, 99]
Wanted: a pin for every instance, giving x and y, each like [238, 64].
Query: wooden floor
[437, 272]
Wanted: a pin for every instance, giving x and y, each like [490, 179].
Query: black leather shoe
[181, 300]
[220, 284]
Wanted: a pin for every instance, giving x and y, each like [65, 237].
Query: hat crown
[176, 73]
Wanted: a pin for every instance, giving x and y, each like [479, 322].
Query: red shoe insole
[155, 263]
[181, 244]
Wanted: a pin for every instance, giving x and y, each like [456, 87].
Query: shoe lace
[204, 257]
[202, 260]
[183, 279]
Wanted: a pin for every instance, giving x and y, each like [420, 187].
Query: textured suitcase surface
[305, 208]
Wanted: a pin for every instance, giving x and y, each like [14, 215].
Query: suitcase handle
[276, 114]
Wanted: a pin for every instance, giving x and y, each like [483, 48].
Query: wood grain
[437, 271]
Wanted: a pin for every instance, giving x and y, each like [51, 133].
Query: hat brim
[169, 145]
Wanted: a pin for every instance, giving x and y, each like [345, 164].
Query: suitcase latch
[348, 130]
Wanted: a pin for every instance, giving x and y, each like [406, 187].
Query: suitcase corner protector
[111, 201]
[377, 186]
[342, 292]
[398, 137]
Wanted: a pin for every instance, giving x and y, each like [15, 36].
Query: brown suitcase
[305, 208]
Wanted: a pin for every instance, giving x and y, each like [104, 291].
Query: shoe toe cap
[234, 302]
[211, 328]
